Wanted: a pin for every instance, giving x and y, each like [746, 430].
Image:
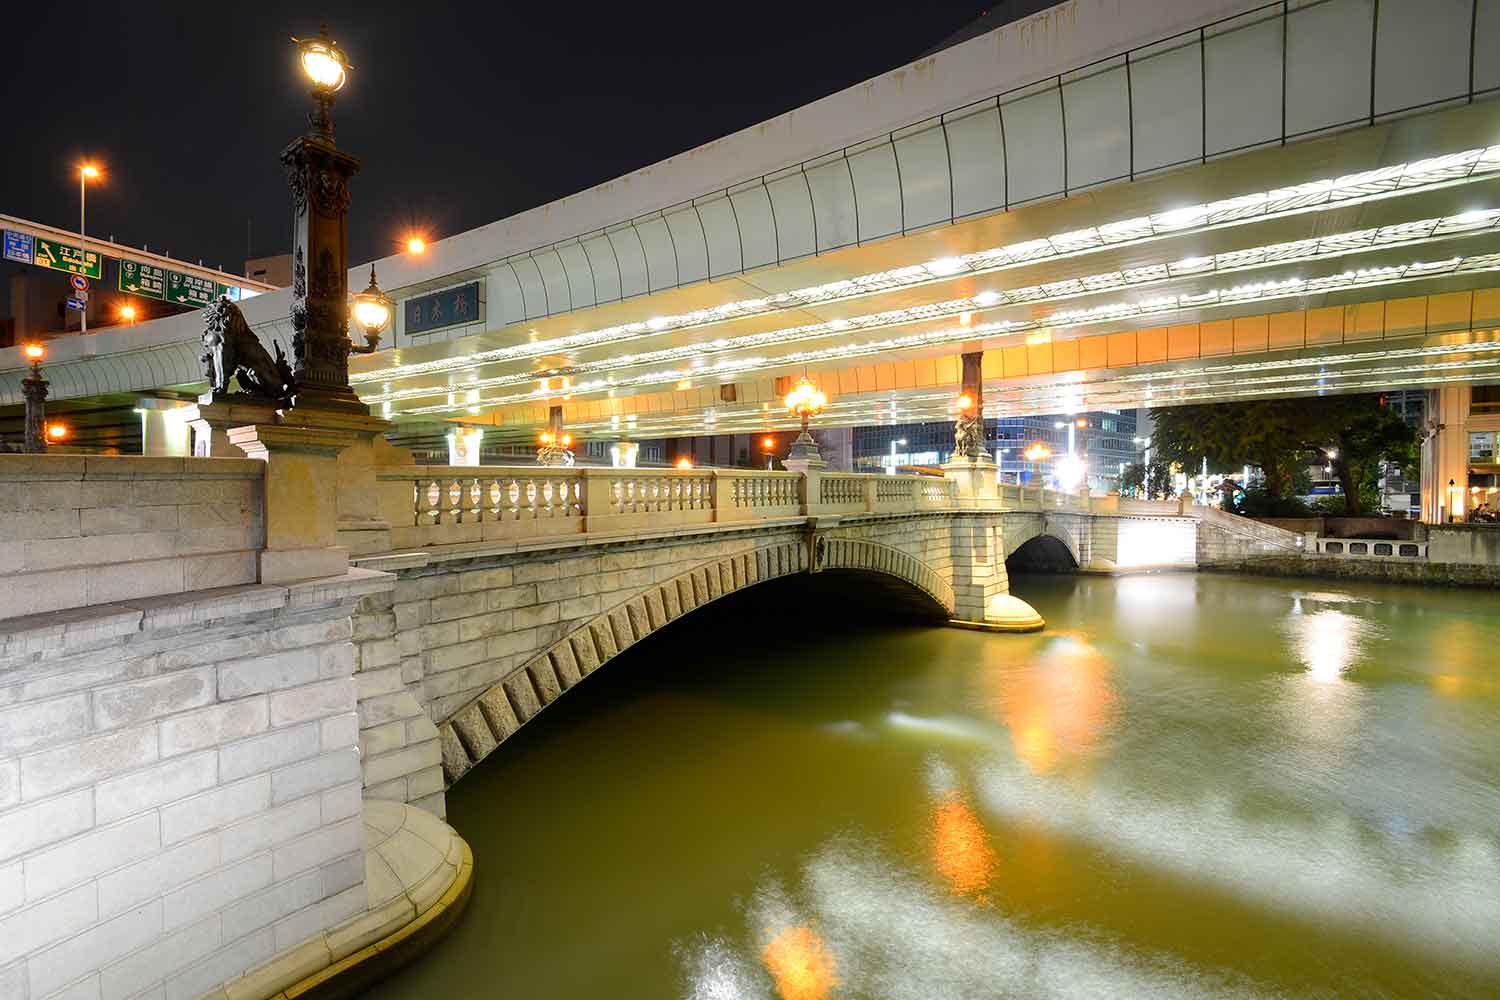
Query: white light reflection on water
[1444, 899]
[893, 935]
[1328, 642]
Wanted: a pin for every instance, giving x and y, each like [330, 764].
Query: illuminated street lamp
[768, 445]
[318, 174]
[1036, 454]
[806, 401]
[34, 389]
[56, 432]
[684, 462]
[127, 313]
[553, 448]
[86, 173]
[372, 310]
[327, 69]
[415, 244]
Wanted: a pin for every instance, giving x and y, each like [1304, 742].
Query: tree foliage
[1153, 482]
[1354, 434]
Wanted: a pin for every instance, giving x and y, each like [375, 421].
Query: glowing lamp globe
[372, 310]
[323, 63]
[806, 400]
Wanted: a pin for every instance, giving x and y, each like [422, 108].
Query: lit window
[1482, 447]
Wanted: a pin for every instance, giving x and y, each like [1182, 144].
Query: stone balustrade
[79, 530]
[445, 505]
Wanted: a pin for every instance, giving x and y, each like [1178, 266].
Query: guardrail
[443, 505]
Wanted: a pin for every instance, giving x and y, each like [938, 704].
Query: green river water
[1187, 786]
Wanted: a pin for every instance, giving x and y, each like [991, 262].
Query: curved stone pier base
[1005, 613]
[418, 874]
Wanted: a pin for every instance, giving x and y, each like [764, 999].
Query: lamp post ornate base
[803, 455]
[34, 390]
[318, 174]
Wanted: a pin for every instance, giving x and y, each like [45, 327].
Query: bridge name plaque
[450, 307]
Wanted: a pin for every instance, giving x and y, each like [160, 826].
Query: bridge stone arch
[832, 553]
[479, 727]
[1065, 528]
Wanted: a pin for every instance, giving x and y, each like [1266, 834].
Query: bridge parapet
[82, 530]
[445, 505]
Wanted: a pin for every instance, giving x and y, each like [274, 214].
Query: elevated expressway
[1141, 202]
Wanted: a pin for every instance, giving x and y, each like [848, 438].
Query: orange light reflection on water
[1056, 707]
[961, 847]
[801, 965]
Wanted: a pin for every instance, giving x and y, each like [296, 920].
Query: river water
[1187, 786]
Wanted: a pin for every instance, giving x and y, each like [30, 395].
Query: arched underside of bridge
[477, 729]
[1042, 554]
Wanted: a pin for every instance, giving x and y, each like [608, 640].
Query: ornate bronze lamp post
[805, 400]
[318, 174]
[34, 389]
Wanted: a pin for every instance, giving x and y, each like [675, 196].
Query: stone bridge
[201, 698]
[514, 584]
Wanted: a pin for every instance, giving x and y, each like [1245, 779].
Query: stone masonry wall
[453, 629]
[79, 530]
[179, 788]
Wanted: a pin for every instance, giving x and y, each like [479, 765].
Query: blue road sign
[18, 247]
[77, 305]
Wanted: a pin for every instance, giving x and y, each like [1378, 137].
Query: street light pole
[34, 389]
[894, 442]
[318, 173]
[84, 173]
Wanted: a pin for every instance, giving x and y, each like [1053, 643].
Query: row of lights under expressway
[806, 402]
[1317, 196]
[690, 362]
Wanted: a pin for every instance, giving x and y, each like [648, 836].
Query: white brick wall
[179, 790]
[81, 530]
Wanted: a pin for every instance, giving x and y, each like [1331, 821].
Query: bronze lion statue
[231, 349]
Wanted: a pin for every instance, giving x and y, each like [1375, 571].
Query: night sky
[462, 115]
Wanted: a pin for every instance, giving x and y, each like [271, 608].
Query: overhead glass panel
[925, 194]
[688, 243]
[559, 293]
[1166, 99]
[1328, 64]
[721, 233]
[794, 215]
[631, 256]
[1096, 113]
[661, 259]
[757, 224]
[877, 191]
[1486, 45]
[605, 270]
[977, 153]
[832, 190]
[580, 275]
[1415, 50]
[505, 288]
[1034, 146]
[533, 291]
[1239, 116]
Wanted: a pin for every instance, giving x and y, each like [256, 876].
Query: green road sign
[143, 279]
[64, 257]
[191, 290]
